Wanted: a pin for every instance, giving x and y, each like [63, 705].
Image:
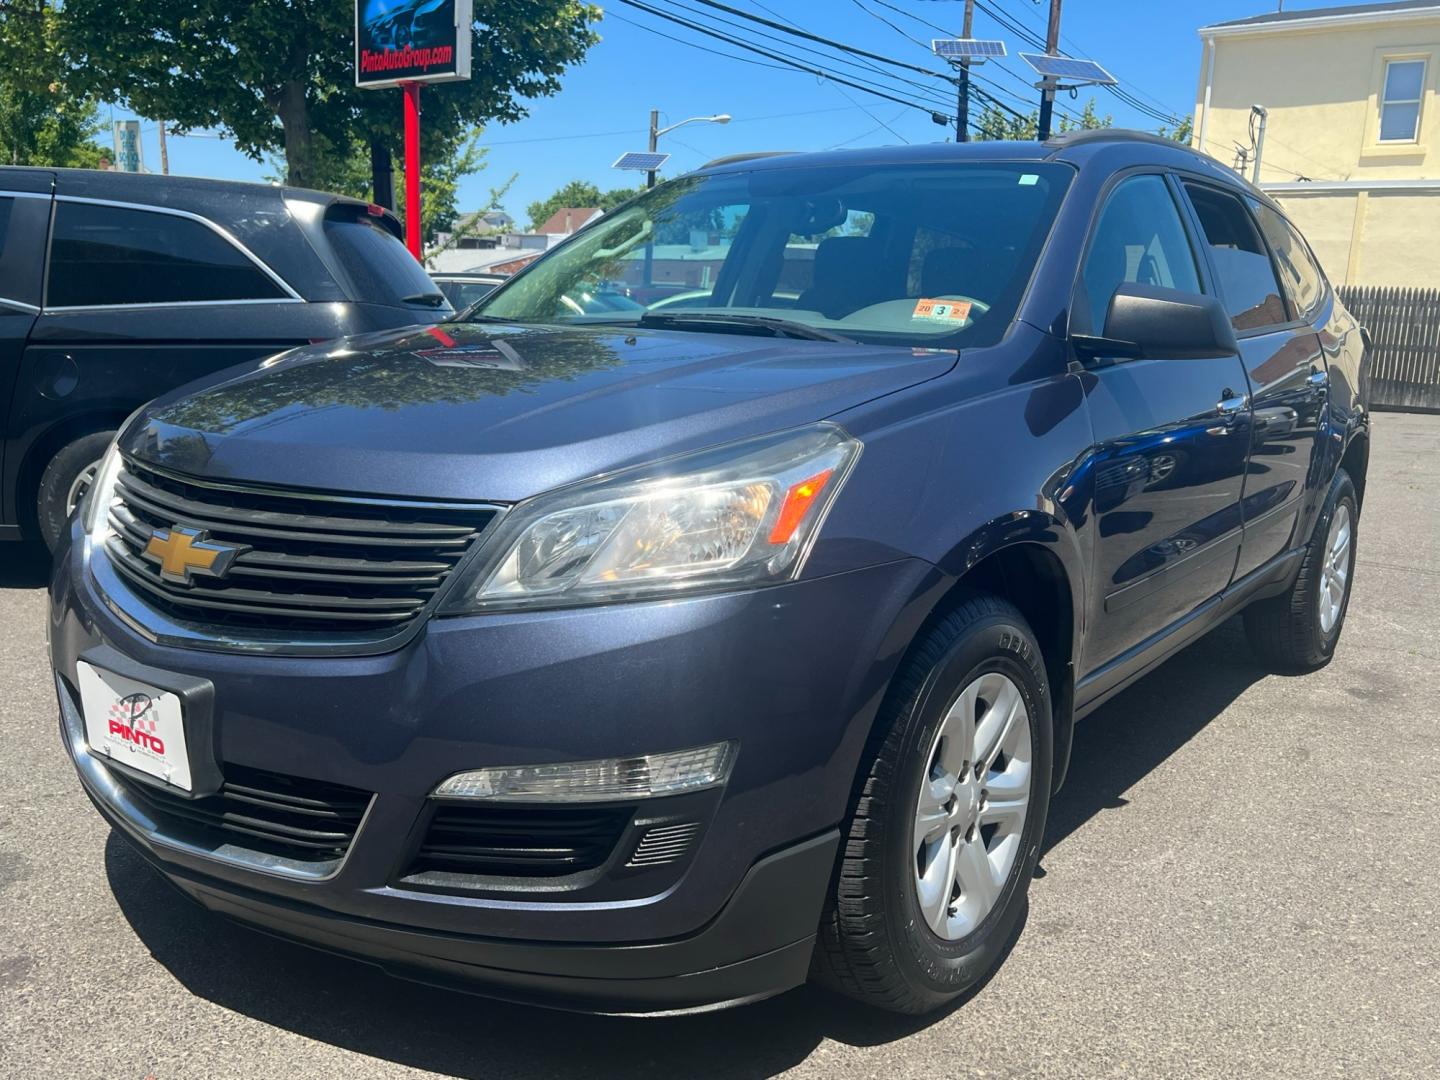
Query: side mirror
[1153, 323]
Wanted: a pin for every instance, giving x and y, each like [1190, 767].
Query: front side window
[892, 254]
[1400, 100]
[109, 255]
[1242, 263]
[1298, 272]
[1138, 239]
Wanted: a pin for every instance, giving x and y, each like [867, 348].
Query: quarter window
[1298, 273]
[110, 255]
[1242, 264]
[1400, 100]
[1139, 239]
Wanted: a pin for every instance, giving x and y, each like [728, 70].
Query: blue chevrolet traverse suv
[712, 607]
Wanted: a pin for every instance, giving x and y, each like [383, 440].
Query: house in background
[1352, 134]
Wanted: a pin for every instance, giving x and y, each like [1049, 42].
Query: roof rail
[731, 159]
[1089, 135]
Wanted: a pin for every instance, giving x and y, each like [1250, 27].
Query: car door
[24, 218]
[1168, 460]
[1258, 274]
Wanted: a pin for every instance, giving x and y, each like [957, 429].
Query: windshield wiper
[708, 320]
[429, 299]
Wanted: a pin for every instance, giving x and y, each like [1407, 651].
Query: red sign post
[405, 43]
[412, 168]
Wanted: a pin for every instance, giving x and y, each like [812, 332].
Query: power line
[863, 85]
[931, 95]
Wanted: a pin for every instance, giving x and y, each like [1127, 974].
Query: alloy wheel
[1335, 570]
[970, 815]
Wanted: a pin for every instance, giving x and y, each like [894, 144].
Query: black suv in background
[115, 288]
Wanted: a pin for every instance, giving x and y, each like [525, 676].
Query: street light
[656, 131]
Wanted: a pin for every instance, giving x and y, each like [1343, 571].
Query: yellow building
[1351, 143]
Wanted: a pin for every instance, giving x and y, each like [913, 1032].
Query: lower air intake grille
[306, 820]
[664, 844]
[299, 563]
[519, 841]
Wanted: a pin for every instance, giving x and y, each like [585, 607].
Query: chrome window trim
[154, 626]
[25, 195]
[19, 305]
[137, 820]
[68, 308]
[291, 295]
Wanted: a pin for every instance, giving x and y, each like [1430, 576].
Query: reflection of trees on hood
[392, 378]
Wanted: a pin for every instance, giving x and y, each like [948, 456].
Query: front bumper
[793, 673]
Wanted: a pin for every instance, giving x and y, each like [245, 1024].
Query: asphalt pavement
[1242, 879]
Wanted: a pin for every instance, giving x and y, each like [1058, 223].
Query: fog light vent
[664, 844]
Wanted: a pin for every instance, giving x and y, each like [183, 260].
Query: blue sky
[603, 107]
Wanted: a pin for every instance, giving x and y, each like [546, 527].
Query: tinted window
[109, 255]
[1139, 238]
[1242, 263]
[897, 254]
[1298, 272]
[379, 265]
[462, 294]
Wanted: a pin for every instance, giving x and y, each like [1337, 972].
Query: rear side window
[1298, 273]
[380, 267]
[1138, 239]
[109, 255]
[1242, 263]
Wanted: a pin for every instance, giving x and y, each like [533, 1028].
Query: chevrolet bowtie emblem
[183, 552]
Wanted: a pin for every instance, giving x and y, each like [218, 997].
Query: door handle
[1229, 409]
[1318, 380]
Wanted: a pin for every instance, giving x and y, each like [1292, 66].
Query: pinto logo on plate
[132, 720]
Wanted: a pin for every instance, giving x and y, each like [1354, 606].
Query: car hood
[470, 411]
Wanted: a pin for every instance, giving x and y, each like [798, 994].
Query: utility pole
[1264, 115]
[1047, 90]
[164, 153]
[962, 101]
[654, 142]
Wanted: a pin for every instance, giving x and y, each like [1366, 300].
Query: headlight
[741, 516]
[102, 494]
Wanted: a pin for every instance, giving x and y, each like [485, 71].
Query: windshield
[932, 255]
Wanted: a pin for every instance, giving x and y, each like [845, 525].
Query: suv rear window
[380, 267]
[104, 256]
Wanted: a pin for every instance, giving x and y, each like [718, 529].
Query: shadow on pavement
[1128, 736]
[355, 1006]
[23, 566]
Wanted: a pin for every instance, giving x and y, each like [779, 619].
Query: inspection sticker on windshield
[942, 310]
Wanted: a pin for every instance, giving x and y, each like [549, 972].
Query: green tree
[578, 193]
[43, 120]
[279, 74]
[995, 124]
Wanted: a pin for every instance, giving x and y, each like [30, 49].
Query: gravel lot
[1242, 879]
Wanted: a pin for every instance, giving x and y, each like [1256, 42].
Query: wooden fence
[1404, 327]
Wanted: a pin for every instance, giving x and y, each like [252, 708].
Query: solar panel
[1069, 69]
[643, 162]
[966, 48]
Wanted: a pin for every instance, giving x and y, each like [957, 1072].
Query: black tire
[874, 945]
[52, 500]
[1285, 631]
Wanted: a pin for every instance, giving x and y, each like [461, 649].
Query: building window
[1400, 100]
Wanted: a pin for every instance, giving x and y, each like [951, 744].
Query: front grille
[307, 564]
[307, 820]
[519, 841]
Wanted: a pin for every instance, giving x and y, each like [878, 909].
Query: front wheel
[1297, 631]
[946, 830]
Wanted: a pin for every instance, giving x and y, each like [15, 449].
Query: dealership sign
[401, 41]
